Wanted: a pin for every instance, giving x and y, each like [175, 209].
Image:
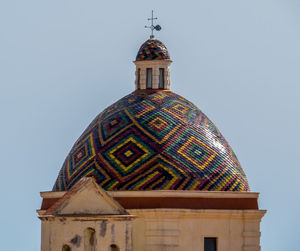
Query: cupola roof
[153, 139]
[153, 49]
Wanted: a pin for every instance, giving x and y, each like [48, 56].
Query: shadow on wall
[90, 242]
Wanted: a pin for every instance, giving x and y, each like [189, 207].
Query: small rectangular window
[139, 79]
[149, 78]
[210, 244]
[161, 78]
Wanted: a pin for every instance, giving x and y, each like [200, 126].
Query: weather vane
[152, 27]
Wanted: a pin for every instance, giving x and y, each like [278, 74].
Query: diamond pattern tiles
[152, 49]
[153, 140]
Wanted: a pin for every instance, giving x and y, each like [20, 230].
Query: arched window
[149, 78]
[66, 248]
[161, 78]
[89, 240]
[114, 247]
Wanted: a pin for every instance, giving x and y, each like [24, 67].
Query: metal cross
[152, 27]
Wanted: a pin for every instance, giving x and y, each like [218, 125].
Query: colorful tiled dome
[152, 49]
[153, 141]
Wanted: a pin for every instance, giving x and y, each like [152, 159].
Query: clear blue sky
[63, 61]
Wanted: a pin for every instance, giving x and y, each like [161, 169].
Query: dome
[152, 49]
[153, 140]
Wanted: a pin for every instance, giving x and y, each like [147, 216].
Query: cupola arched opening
[149, 78]
[161, 83]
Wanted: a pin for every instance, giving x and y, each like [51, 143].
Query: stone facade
[86, 218]
[185, 229]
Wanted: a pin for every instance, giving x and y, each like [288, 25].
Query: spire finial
[152, 27]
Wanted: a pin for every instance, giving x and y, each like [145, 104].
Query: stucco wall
[59, 231]
[184, 230]
[156, 229]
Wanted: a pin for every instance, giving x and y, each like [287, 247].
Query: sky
[63, 61]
